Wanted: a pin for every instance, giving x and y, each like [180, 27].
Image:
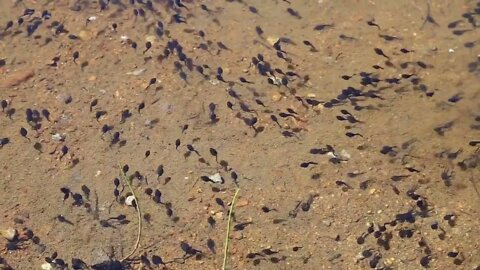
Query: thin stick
[475, 187]
[225, 251]
[139, 214]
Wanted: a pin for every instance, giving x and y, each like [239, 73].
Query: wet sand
[371, 162]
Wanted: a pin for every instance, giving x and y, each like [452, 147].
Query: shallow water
[397, 132]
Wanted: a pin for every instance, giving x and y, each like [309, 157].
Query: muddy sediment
[351, 130]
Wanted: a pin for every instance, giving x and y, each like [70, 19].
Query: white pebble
[129, 200]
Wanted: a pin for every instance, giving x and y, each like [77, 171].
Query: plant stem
[225, 251]
[139, 215]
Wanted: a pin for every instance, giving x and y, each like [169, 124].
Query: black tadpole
[177, 144]
[4, 104]
[429, 18]
[380, 52]
[251, 122]
[148, 45]
[372, 23]
[38, 146]
[141, 106]
[151, 82]
[160, 171]
[93, 103]
[62, 219]
[75, 56]
[64, 151]
[214, 153]
[309, 44]
[275, 119]
[24, 132]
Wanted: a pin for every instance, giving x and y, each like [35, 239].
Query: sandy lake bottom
[350, 129]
